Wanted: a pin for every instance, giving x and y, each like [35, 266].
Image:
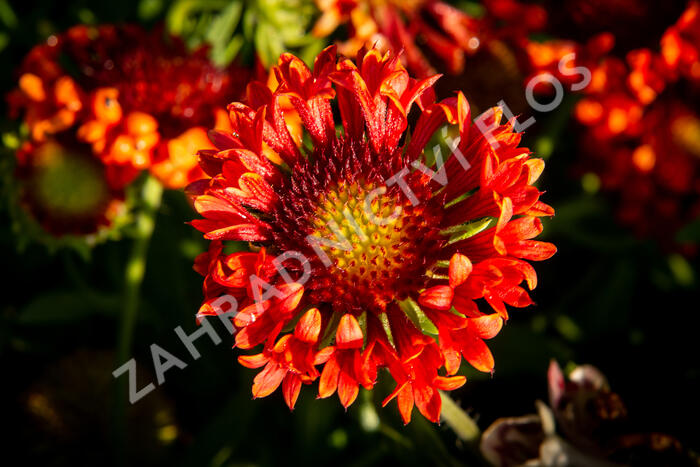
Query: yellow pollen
[376, 241]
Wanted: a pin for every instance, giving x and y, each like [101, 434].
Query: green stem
[462, 424]
[151, 195]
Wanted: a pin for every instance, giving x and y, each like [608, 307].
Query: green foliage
[65, 307]
[690, 233]
[246, 29]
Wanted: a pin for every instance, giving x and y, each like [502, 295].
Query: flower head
[357, 238]
[640, 131]
[448, 33]
[141, 102]
[99, 106]
[480, 51]
[585, 423]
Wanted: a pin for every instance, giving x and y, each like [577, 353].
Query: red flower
[680, 44]
[447, 33]
[639, 133]
[360, 226]
[481, 54]
[140, 101]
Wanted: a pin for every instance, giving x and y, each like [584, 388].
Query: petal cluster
[481, 52]
[402, 26]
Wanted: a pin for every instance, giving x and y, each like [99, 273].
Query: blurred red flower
[641, 130]
[141, 100]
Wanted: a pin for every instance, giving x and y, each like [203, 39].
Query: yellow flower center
[376, 242]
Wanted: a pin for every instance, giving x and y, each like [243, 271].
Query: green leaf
[268, 43]
[149, 9]
[682, 270]
[464, 231]
[66, 307]
[179, 20]
[330, 330]
[690, 233]
[416, 315]
[221, 31]
[7, 15]
[456, 418]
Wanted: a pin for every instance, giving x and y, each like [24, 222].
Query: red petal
[506, 205]
[460, 268]
[349, 334]
[394, 393]
[478, 355]
[268, 380]
[253, 361]
[405, 401]
[532, 250]
[452, 360]
[329, 378]
[323, 355]
[347, 389]
[428, 401]
[535, 167]
[523, 228]
[290, 389]
[465, 306]
[438, 297]
[292, 296]
[540, 209]
[223, 140]
[241, 232]
[449, 383]
[309, 326]
[487, 326]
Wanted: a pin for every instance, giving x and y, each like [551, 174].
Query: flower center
[366, 242]
[68, 183]
[376, 244]
[65, 189]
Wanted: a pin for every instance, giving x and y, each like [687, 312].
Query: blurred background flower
[101, 104]
[585, 423]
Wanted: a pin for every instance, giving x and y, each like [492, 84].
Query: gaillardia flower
[480, 51]
[99, 105]
[140, 101]
[363, 257]
[640, 128]
[447, 33]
